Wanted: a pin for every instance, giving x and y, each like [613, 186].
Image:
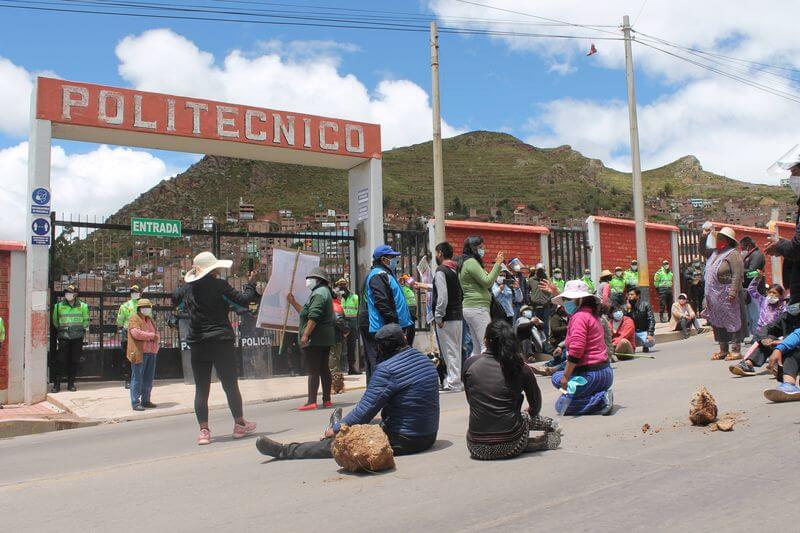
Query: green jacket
[350, 305]
[475, 283]
[71, 321]
[319, 308]
[2, 330]
[663, 278]
[588, 281]
[617, 283]
[559, 283]
[125, 311]
[631, 278]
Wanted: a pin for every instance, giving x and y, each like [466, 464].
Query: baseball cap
[384, 249]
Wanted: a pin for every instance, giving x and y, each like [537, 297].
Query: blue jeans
[142, 376]
[753, 311]
[641, 340]
[588, 399]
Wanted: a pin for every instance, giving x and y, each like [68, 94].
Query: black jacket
[755, 260]
[643, 318]
[790, 251]
[207, 301]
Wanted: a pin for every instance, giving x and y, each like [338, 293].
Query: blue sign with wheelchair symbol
[41, 196]
[40, 226]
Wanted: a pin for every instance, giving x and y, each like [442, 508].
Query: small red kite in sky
[592, 50]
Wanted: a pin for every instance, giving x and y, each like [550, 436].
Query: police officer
[127, 310]
[71, 320]
[631, 276]
[558, 279]
[587, 279]
[663, 282]
[349, 301]
[617, 286]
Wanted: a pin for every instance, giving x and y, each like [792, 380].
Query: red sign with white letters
[98, 106]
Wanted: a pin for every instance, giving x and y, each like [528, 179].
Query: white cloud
[15, 90]
[562, 68]
[161, 60]
[98, 182]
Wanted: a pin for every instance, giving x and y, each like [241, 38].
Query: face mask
[794, 183]
[721, 245]
[618, 273]
[69, 296]
[772, 300]
[481, 251]
[557, 276]
[527, 314]
[793, 309]
[393, 264]
[665, 267]
[310, 283]
[617, 316]
[500, 280]
[517, 268]
[146, 311]
[135, 295]
[570, 307]
[634, 268]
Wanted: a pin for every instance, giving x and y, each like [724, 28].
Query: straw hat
[203, 264]
[605, 273]
[143, 302]
[573, 290]
[729, 233]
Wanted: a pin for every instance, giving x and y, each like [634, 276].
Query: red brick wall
[5, 265]
[515, 240]
[618, 247]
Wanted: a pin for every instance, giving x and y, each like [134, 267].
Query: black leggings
[318, 368]
[221, 355]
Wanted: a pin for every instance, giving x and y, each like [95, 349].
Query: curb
[17, 427]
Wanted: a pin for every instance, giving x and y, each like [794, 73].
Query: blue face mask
[393, 264]
[570, 306]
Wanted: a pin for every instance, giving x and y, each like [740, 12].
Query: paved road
[608, 475]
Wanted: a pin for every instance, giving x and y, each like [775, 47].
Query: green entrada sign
[155, 227]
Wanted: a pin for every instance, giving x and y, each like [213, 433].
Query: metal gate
[569, 251]
[104, 259]
[688, 250]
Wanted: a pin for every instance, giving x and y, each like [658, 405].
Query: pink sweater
[585, 341]
[148, 334]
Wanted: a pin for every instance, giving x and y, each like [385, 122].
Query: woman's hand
[501, 256]
[564, 381]
[732, 296]
[291, 299]
[548, 286]
[251, 276]
[774, 360]
[328, 433]
[304, 341]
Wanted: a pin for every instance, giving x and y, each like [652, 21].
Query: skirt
[502, 450]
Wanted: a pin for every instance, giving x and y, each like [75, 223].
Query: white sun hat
[203, 264]
[573, 290]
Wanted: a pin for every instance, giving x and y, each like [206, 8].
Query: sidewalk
[110, 402]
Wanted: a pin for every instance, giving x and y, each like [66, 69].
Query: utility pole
[638, 192]
[438, 170]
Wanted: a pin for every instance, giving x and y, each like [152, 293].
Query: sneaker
[267, 446]
[327, 405]
[149, 405]
[609, 398]
[204, 437]
[138, 407]
[742, 369]
[336, 417]
[307, 407]
[785, 392]
[240, 430]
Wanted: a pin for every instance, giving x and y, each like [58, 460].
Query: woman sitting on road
[494, 382]
[684, 317]
[587, 356]
[623, 332]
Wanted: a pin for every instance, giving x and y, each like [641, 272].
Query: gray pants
[448, 337]
[478, 319]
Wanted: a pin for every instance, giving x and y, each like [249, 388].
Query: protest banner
[289, 271]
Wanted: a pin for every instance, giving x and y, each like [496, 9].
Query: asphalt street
[609, 475]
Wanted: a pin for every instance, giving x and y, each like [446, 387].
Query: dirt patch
[363, 447]
[645, 428]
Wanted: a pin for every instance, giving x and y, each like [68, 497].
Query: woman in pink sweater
[587, 356]
[143, 343]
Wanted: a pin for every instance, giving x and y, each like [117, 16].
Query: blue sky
[544, 91]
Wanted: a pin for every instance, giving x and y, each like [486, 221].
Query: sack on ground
[363, 447]
[703, 409]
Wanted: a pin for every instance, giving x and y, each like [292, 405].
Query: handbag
[496, 311]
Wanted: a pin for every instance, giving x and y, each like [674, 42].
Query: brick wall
[5, 266]
[515, 240]
[618, 247]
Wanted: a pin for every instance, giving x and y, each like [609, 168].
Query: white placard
[272, 310]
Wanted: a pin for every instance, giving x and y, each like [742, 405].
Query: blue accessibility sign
[40, 196]
[40, 226]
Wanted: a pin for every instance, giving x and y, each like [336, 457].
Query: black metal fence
[569, 251]
[413, 245]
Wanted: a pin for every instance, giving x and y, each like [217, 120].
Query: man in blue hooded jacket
[404, 389]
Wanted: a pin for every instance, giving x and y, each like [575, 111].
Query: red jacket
[626, 330]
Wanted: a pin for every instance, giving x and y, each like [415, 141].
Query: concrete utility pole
[438, 170]
[638, 192]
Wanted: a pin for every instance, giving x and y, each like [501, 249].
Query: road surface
[608, 476]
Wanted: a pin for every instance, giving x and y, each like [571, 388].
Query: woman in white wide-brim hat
[211, 338]
[587, 355]
[725, 307]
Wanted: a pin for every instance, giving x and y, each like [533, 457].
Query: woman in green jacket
[317, 335]
[475, 286]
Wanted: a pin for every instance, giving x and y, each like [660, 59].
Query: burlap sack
[362, 447]
[703, 409]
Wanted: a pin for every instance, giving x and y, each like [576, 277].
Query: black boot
[71, 387]
[56, 386]
[127, 384]
[270, 447]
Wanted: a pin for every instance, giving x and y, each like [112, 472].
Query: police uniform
[71, 320]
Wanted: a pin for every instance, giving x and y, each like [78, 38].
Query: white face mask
[634, 268]
[772, 300]
[500, 280]
[69, 296]
[310, 283]
[135, 295]
[481, 251]
[517, 268]
[527, 314]
[557, 275]
[794, 183]
[147, 311]
[617, 316]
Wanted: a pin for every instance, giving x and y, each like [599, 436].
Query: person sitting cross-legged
[404, 389]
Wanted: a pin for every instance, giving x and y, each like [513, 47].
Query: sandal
[733, 356]
[718, 356]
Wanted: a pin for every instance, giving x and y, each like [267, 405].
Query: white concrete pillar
[366, 212]
[676, 266]
[593, 236]
[37, 321]
[544, 246]
[15, 330]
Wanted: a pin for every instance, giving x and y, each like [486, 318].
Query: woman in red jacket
[623, 331]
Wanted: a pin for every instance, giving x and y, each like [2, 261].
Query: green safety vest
[559, 283]
[663, 278]
[631, 278]
[588, 281]
[350, 305]
[126, 310]
[71, 320]
[411, 298]
[617, 284]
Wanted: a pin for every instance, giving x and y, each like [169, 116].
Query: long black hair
[471, 245]
[502, 344]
